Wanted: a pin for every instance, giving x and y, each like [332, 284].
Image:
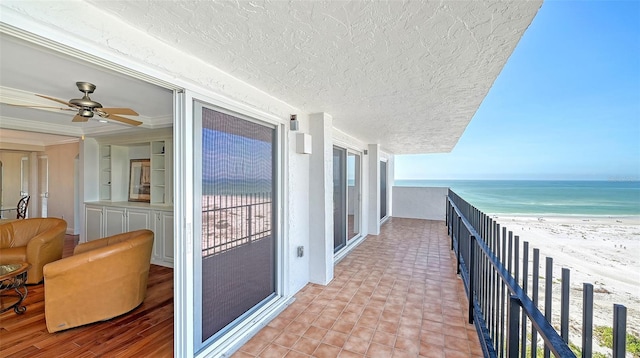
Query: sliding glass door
[339, 198]
[353, 195]
[346, 197]
[237, 262]
[383, 190]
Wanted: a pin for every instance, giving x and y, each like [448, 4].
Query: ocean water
[535, 197]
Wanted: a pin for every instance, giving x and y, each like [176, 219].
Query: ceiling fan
[87, 107]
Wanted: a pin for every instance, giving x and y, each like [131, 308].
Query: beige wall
[11, 179]
[61, 181]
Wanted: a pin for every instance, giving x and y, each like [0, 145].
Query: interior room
[40, 143]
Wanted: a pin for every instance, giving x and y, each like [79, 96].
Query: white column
[374, 189]
[321, 200]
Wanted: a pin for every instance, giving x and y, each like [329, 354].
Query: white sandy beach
[603, 251]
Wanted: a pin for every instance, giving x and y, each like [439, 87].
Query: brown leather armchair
[103, 279]
[37, 241]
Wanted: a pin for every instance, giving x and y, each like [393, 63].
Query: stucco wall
[419, 203]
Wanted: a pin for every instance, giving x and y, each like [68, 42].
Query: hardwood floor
[147, 331]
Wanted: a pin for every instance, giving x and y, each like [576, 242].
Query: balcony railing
[230, 221]
[502, 305]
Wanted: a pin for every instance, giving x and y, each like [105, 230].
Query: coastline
[599, 249]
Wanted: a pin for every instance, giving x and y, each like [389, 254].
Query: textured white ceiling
[407, 75]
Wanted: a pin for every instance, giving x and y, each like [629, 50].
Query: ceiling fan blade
[124, 111]
[132, 122]
[57, 100]
[79, 118]
[29, 106]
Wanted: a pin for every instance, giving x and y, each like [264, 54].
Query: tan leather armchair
[37, 241]
[103, 279]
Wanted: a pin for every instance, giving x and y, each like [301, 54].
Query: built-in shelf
[114, 170]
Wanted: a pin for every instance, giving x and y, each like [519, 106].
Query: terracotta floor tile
[384, 338]
[334, 338]
[379, 351]
[316, 333]
[286, 339]
[403, 354]
[458, 344]
[326, 351]
[395, 295]
[356, 345]
[348, 354]
[296, 327]
[389, 327]
[343, 326]
[254, 346]
[362, 332]
[273, 351]
[268, 334]
[306, 345]
[324, 322]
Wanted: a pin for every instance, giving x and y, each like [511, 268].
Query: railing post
[564, 306]
[458, 241]
[619, 331]
[587, 320]
[525, 284]
[513, 331]
[472, 244]
[548, 289]
[536, 283]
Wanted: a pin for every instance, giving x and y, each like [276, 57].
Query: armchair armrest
[42, 249]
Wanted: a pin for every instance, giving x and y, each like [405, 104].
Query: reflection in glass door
[238, 242]
[339, 199]
[353, 195]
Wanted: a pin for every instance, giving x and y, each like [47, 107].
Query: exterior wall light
[294, 122]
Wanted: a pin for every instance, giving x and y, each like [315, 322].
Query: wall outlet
[300, 251]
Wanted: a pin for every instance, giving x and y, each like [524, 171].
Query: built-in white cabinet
[163, 245]
[94, 222]
[114, 221]
[110, 218]
[114, 169]
[106, 176]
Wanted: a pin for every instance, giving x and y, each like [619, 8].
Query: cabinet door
[167, 230]
[138, 219]
[158, 236]
[93, 226]
[114, 221]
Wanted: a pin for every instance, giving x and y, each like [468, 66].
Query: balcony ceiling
[406, 75]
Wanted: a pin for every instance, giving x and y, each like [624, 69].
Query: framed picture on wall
[140, 180]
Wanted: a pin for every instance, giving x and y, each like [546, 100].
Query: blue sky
[565, 106]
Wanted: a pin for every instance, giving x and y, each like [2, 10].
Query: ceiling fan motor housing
[85, 103]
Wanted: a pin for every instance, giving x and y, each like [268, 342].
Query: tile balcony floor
[395, 295]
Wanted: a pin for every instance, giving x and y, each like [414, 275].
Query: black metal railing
[229, 221]
[501, 308]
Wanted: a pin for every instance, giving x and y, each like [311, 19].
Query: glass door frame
[384, 199]
[349, 150]
[190, 134]
[357, 194]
